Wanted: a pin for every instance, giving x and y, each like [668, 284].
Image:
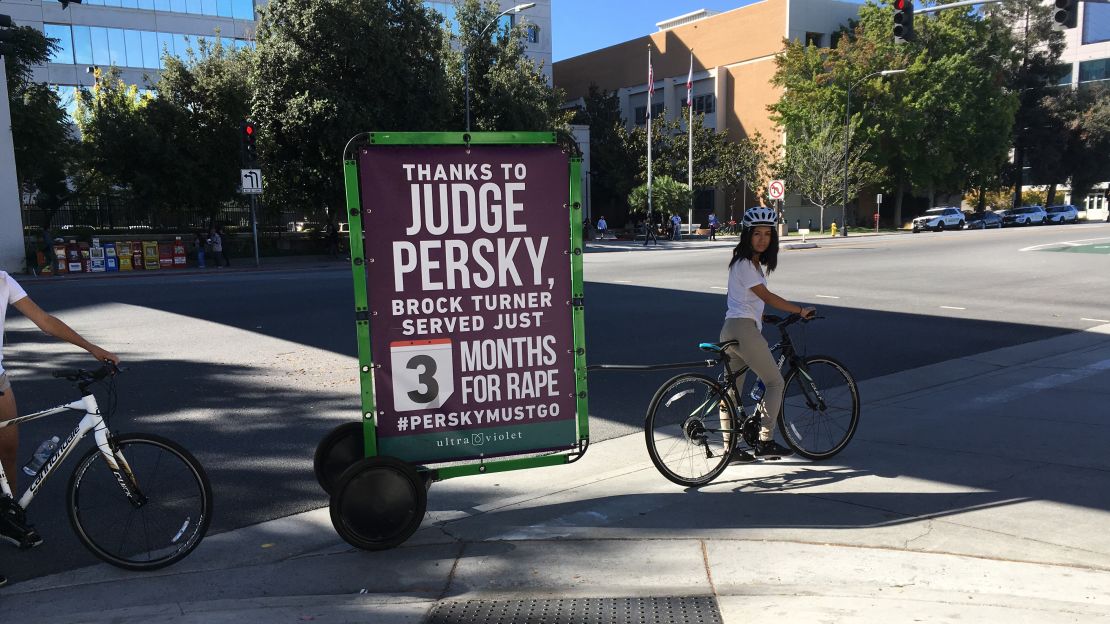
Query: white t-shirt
[742, 302]
[10, 292]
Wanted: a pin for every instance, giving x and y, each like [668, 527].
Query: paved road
[251, 369]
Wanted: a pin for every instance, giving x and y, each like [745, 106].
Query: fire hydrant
[832, 228]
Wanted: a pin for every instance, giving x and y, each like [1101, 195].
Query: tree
[116, 147]
[612, 161]
[45, 149]
[668, 196]
[814, 166]
[1032, 63]
[195, 120]
[325, 70]
[936, 126]
[508, 90]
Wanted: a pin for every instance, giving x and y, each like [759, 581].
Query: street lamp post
[847, 138]
[466, 51]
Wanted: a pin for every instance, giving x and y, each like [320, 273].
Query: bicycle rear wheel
[153, 514]
[685, 437]
[820, 410]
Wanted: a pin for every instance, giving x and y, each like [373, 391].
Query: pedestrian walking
[713, 225]
[219, 248]
[676, 227]
[199, 243]
[601, 227]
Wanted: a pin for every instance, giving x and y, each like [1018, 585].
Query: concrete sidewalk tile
[568, 568]
[866, 572]
[892, 606]
[417, 572]
[360, 609]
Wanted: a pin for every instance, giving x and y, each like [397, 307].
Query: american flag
[690, 83]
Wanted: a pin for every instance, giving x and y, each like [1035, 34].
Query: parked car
[983, 220]
[1026, 215]
[1062, 214]
[939, 219]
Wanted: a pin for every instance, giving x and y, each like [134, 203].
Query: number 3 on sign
[423, 374]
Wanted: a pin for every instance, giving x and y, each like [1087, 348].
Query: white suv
[940, 219]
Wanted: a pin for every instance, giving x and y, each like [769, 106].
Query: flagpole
[651, 88]
[690, 141]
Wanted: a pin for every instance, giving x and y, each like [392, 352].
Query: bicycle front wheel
[149, 511]
[686, 438]
[820, 409]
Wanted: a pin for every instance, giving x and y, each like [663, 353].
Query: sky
[581, 26]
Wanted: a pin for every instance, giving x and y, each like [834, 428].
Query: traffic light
[1065, 14]
[903, 21]
[248, 138]
[6, 35]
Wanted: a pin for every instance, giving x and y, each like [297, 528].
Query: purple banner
[469, 288]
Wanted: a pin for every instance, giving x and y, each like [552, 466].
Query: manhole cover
[672, 610]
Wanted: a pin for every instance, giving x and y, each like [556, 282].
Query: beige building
[734, 60]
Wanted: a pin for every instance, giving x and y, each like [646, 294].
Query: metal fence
[120, 215]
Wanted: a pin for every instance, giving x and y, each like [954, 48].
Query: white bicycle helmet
[760, 215]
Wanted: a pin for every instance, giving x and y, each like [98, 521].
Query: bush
[668, 196]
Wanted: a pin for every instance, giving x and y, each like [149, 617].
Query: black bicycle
[694, 421]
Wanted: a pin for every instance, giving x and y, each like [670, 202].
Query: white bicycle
[137, 501]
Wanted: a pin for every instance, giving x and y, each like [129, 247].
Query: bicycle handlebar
[783, 323]
[86, 378]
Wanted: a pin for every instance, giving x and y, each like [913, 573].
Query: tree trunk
[982, 205]
[932, 195]
[899, 190]
[1019, 162]
[1051, 199]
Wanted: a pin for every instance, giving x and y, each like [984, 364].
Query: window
[82, 45]
[208, 7]
[146, 5]
[835, 38]
[152, 55]
[1096, 22]
[814, 39]
[117, 47]
[533, 33]
[162, 5]
[181, 45]
[1094, 70]
[64, 51]
[223, 8]
[134, 40]
[194, 6]
[1064, 76]
[703, 104]
[129, 4]
[67, 98]
[641, 115]
[99, 37]
[447, 11]
[165, 46]
[242, 9]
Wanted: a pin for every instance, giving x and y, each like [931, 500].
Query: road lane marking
[1095, 320]
[952, 308]
[1074, 243]
[719, 287]
[621, 282]
[827, 297]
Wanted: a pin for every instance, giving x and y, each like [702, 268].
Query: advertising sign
[468, 278]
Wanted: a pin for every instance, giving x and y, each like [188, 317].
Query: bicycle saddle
[717, 347]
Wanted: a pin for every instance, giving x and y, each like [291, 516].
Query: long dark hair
[745, 251]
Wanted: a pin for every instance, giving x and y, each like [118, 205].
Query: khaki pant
[753, 351]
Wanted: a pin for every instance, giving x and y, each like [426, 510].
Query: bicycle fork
[117, 463]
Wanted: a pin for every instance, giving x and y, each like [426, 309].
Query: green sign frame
[362, 314]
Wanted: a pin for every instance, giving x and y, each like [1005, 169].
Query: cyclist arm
[53, 326]
[776, 301]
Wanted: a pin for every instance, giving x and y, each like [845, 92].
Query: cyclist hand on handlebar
[808, 312]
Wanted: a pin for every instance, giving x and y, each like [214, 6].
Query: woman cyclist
[755, 257]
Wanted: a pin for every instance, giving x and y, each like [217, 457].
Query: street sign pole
[254, 230]
[878, 210]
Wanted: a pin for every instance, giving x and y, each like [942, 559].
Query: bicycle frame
[92, 421]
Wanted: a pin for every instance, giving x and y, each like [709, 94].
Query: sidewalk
[974, 491]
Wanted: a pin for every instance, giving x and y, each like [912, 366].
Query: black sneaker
[740, 456]
[771, 450]
[14, 528]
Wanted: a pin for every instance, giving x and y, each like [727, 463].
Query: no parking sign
[776, 190]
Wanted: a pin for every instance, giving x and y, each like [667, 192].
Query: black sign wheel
[338, 451]
[378, 503]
